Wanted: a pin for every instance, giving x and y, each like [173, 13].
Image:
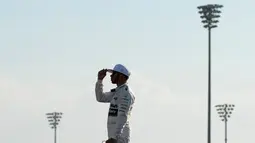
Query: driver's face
[114, 77]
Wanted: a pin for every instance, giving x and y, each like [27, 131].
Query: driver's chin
[113, 82]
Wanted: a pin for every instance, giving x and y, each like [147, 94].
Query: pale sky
[51, 51]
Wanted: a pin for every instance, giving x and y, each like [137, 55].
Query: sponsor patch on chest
[113, 110]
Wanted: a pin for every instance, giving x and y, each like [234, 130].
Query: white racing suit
[121, 101]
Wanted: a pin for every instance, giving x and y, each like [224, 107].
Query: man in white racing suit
[121, 101]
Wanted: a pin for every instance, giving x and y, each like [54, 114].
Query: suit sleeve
[100, 95]
[125, 106]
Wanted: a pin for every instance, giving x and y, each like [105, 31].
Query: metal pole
[225, 110]
[209, 85]
[55, 127]
[55, 134]
[209, 14]
[226, 120]
[54, 119]
[226, 128]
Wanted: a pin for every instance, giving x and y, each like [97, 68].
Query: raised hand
[101, 74]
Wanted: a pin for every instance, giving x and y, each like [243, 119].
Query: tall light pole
[224, 111]
[209, 14]
[54, 119]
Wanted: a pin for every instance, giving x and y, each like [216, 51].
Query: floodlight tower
[54, 119]
[224, 111]
[209, 14]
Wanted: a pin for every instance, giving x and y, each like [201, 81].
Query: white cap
[121, 69]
